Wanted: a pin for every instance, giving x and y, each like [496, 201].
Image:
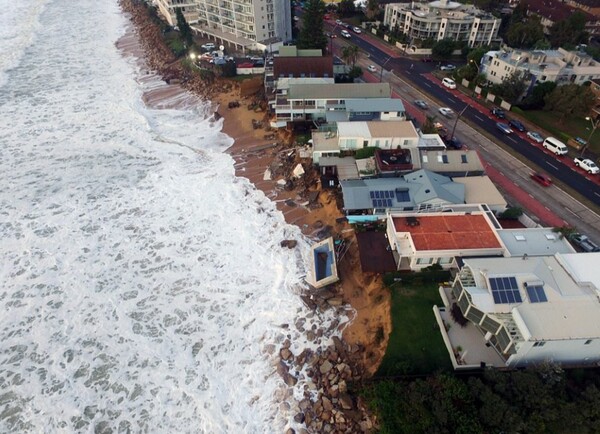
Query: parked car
[536, 137]
[454, 143]
[345, 34]
[449, 83]
[339, 22]
[517, 125]
[446, 111]
[421, 104]
[504, 127]
[542, 179]
[498, 112]
[586, 164]
[209, 46]
[584, 243]
[447, 67]
[331, 35]
[356, 30]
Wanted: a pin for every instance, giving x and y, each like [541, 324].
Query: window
[539, 344]
[427, 261]
[463, 158]
[447, 260]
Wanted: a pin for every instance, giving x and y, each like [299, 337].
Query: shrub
[365, 152]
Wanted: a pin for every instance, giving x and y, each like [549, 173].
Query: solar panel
[372, 194]
[536, 294]
[385, 194]
[376, 195]
[389, 203]
[505, 290]
[402, 196]
[374, 203]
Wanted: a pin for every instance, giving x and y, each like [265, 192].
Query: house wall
[568, 352]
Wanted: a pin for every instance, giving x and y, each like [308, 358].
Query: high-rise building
[245, 24]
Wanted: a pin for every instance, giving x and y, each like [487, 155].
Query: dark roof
[554, 10]
[309, 66]
[375, 253]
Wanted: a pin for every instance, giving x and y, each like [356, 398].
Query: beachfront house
[419, 240]
[524, 311]
[419, 190]
[325, 102]
[351, 136]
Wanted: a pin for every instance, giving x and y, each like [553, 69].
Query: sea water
[142, 285]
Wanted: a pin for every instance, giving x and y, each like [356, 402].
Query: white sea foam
[141, 282]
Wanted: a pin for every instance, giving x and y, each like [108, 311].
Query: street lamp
[384, 63]
[594, 126]
[456, 121]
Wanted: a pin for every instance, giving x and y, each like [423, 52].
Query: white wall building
[443, 19]
[245, 24]
[560, 66]
[531, 309]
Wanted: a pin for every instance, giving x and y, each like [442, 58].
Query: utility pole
[384, 63]
[456, 121]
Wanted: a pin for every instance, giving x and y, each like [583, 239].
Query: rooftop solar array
[505, 290]
[382, 198]
[402, 196]
[536, 294]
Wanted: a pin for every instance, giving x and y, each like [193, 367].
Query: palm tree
[350, 54]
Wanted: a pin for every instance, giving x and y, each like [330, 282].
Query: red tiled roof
[458, 232]
[297, 66]
[554, 10]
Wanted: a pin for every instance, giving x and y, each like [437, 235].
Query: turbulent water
[142, 284]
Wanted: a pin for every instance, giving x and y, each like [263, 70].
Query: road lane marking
[511, 139]
[552, 165]
[426, 84]
[597, 194]
[479, 118]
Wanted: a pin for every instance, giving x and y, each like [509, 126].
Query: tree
[442, 49]
[476, 54]
[372, 9]
[346, 8]
[428, 126]
[519, 14]
[535, 100]
[525, 35]
[350, 54]
[184, 28]
[570, 100]
[512, 86]
[569, 32]
[311, 35]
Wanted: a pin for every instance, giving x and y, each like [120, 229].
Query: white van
[556, 146]
[449, 83]
[346, 34]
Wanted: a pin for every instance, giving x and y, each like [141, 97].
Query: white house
[527, 310]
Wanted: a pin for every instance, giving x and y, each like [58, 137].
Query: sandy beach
[255, 151]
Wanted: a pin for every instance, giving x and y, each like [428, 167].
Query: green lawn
[570, 128]
[415, 345]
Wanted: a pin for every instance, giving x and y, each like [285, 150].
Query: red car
[542, 179]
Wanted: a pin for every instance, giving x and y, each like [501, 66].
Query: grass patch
[570, 128]
[415, 345]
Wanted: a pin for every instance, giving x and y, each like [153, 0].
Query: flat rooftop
[458, 232]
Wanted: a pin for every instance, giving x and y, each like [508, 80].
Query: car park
[517, 125]
[446, 111]
[498, 112]
[449, 83]
[536, 137]
[542, 179]
[583, 242]
[421, 104]
[447, 67]
[346, 34]
[504, 127]
[372, 68]
[356, 30]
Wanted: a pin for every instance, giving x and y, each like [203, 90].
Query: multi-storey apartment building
[245, 24]
[443, 19]
[560, 66]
